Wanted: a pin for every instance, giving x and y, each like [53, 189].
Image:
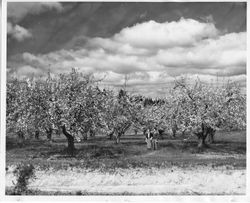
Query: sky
[148, 45]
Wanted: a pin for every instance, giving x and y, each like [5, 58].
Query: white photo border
[98, 198]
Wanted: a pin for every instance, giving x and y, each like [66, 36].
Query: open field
[101, 167]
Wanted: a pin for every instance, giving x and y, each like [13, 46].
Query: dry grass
[174, 180]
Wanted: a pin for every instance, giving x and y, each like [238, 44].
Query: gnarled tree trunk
[20, 135]
[160, 131]
[70, 139]
[111, 135]
[211, 134]
[201, 141]
[49, 133]
[136, 131]
[37, 134]
[201, 135]
[91, 133]
[173, 132]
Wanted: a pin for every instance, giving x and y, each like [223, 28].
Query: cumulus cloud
[17, 32]
[152, 53]
[18, 10]
[151, 34]
[28, 70]
[25, 71]
[212, 55]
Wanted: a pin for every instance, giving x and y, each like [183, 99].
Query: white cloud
[226, 53]
[16, 11]
[151, 34]
[114, 46]
[150, 55]
[17, 32]
[28, 71]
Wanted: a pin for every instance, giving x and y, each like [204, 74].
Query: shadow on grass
[9, 192]
[230, 148]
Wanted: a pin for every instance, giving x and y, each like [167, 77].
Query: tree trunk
[174, 132]
[91, 133]
[211, 138]
[49, 133]
[111, 135]
[202, 135]
[30, 134]
[70, 139]
[201, 142]
[85, 136]
[57, 132]
[37, 134]
[117, 140]
[174, 129]
[20, 136]
[210, 133]
[135, 132]
[183, 132]
[160, 131]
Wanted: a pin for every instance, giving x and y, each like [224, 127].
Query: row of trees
[75, 105]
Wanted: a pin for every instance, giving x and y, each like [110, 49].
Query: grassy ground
[229, 148]
[101, 156]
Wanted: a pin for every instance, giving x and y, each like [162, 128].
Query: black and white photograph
[124, 98]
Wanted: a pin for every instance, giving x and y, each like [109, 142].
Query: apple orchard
[74, 105]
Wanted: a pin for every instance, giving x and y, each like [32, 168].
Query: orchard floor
[101, 167]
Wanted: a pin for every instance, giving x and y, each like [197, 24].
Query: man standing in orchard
[154, 139]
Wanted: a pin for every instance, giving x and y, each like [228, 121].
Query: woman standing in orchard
[148, 139]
